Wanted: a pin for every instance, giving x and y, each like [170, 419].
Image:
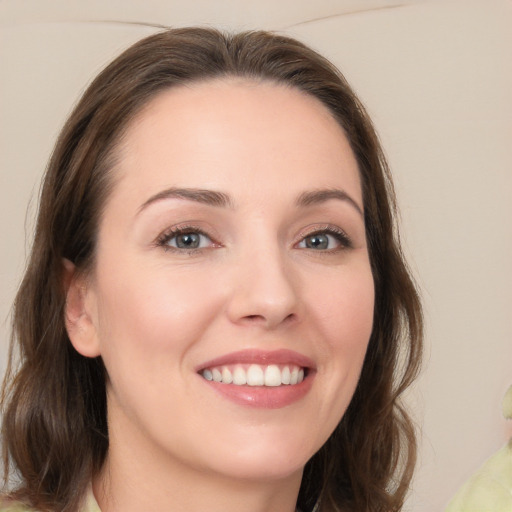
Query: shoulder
[489, 489]
[9, 505]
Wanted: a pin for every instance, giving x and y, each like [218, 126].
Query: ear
[79, 311]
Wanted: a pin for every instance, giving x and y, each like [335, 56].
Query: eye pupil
[317, 242]
[188, 241]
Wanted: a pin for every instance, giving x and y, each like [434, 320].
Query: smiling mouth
[272, 375]
[261, 379]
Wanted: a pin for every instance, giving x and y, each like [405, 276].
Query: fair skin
[261, 270]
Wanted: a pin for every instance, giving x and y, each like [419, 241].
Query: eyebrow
[209, 197]
[322, 195]
[221, 199]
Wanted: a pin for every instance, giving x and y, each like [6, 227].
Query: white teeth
[239, 377]
[285, 375]
[272, 376]
[256, 375]
[227, 377]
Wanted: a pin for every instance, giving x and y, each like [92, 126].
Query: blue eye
[325, 241]
[185, 240]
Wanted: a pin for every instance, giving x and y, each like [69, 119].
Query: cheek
[346, 313]
[345, 321]
[149, 324]
[153, 312]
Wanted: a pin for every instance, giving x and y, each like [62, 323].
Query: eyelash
[164, 239]
[340, 236]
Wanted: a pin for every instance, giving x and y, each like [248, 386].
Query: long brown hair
[54, 427]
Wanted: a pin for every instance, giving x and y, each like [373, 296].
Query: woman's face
[232, 247]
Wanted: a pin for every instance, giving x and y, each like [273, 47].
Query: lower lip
[263, 397]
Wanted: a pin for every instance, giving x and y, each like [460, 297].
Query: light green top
[90, 504]
[490, 488]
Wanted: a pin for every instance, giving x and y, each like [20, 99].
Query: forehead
[235, 133]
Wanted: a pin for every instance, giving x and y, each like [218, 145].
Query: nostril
[254, 317]
[290, 317]
[262, 318]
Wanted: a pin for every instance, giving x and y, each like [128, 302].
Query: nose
[265, 290]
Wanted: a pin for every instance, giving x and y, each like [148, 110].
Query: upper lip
[262, 357]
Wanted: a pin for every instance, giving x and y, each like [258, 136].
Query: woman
[216, 313]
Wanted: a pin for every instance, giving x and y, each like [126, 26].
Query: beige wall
[436, 77]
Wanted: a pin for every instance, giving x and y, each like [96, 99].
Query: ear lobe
[78, 317]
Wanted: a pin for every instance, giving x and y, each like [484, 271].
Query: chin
[267, 458]
[264, 469]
